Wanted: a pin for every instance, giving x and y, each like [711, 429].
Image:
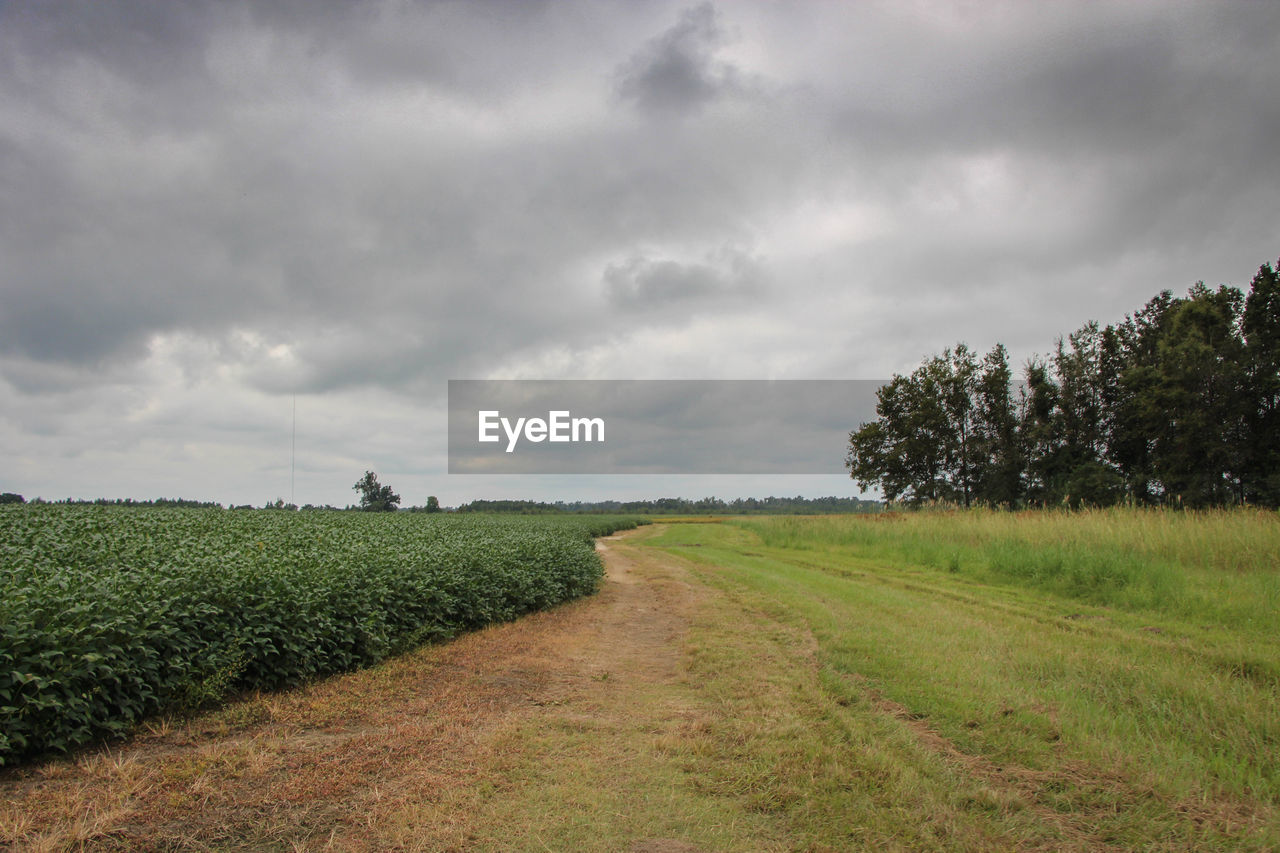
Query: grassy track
[1001, 712]
[764, 685]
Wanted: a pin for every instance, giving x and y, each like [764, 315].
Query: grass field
[972, 681]
[1105, 678]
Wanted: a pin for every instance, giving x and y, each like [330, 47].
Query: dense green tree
[1082, 474]
[1039, 429]
[1195, 407]
[1261, 330]
[903, 450]
[1178, 404]
[375, 497]
[944, 433]
[999, 446]
[956, 374]
[1131, 443]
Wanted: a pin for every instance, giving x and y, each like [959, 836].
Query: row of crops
[111, 615]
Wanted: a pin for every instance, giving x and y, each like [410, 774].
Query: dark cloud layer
[677, 72]
[230, 202]
[727, 277]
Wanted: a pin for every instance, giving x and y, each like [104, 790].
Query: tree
[1039, 431]
[1196, 408]
[1261, 327]
[1000, 456]
[433, 503]
[944, 433]
[1178, 404]
[1131, 445]
[901, 451]
[12, 498]
[1076, 469]
[956, 376]
[375, 497]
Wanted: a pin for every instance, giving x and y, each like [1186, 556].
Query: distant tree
[433, 503]
[509, 506]
[12, 498]
[375, 497]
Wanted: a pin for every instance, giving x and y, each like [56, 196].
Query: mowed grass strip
[1081, 725]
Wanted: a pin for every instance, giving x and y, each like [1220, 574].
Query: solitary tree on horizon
[375, 497]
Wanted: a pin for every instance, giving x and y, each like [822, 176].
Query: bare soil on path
[445, 748]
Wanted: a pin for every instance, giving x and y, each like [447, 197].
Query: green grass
[1035, 680]
[1220, 567]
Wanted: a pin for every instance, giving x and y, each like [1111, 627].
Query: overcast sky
[213, 209]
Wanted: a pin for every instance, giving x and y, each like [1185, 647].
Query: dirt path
[419, 753]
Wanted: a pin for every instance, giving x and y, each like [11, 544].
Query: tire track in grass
[1071, 616]
[1085, 819]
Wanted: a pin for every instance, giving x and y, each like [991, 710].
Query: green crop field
[109, 615]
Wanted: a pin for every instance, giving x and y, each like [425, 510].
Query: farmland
[109, 616]
[1047, 679]
[931, 681]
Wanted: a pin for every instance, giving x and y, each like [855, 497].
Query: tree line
[1178, 404]
[681, 506]
[378, 497]
[185, 503]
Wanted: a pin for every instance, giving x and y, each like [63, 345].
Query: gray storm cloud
[234, 203]
[647, 283]
[678, 72]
